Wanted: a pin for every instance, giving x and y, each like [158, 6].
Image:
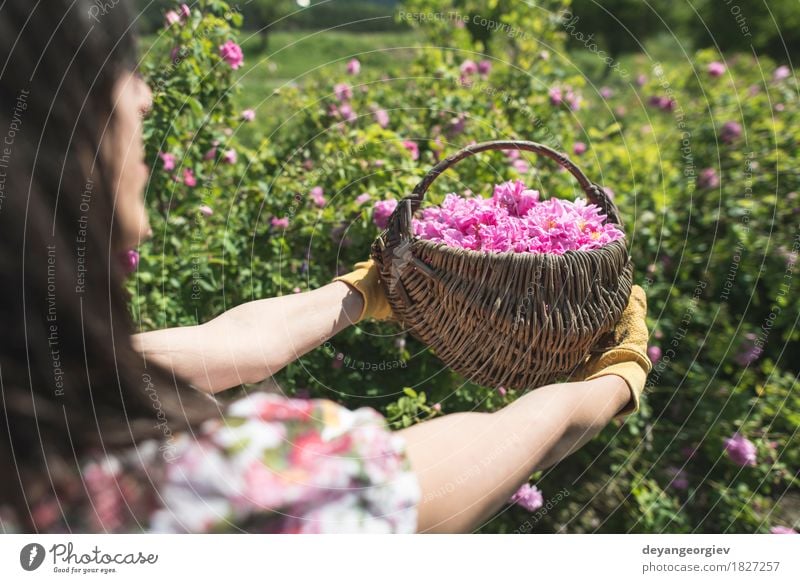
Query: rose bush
[706, 185]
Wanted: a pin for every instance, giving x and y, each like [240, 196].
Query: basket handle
[594, 193]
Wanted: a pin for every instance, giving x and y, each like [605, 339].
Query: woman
[106, 431]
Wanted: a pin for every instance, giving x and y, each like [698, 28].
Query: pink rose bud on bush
[185, 11]
[502, 391]
[381, 212]
[413, 148]
[579, 148]
[381, 117]
[708, 179]
[362, 198]
[730, 132]
[343, 91]
[556, 97]
[189, 177]
[654, 354]
[248, 115]
[168, 160]
[353, 67]
[317, 196]
[130, 260]
[782, 530]
[740, 450]
[171, 17]
[469, 67]
[781, 73]
[205, 210]
[529, 497]
[716, 69]
[485, 67]
[232, 54]
[282, 223]
[229, 157]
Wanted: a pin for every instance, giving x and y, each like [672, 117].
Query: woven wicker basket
[518, 320]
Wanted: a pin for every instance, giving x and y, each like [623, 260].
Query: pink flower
[606, 92]
[529, 497]
[501, 391]
[317, 196]
[185, 11]
[282, 223]
[641, 80]
[679, 478]
[130, 260]
[229, 157]
[437, 407]
[381, 212]
[343, 91]
[168, 160]
[485, 67]
[381, 117]
[654, 354]
[716, 69]
[749, 351]
[189, 178]
[171, 17]
[579, 148]
[353, 67]
[740, 450]
[211, 154]
[730, 132]
[413, 148]
[708, 179]
[362, 198]
[347, 113]
[248, 115]
[232, 54]
[556, 98]
[782, 530]
[205, 210]
[781, 73]
[468, 67]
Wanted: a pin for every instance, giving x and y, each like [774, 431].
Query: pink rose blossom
[168, 160]
[347, 113]
[606, 92]
[485, 67]
[353, 67]
[515, 220]
[185, 11]
[232, 54]
[740, 450]
[248, 115]
[381, 117]
[189, 178]
[280, 223]
[468, 67]
[130, 260]
[205, 210]
[708, 179]
[782, 530]
[343, 91]
[716, 69]
[229, 157]
[730, 132]
[317, 196]
[413, 148]
[781, 73]
[362, 198]
[654, 354]
[641, 80]
[501, 391]
[579, 148]
[529, 497]
[211, 154]
[171, 17]
[381, 212]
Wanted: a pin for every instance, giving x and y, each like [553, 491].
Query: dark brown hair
[70, 380]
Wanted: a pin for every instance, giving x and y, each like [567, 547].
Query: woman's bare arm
[469, 464]
[252, 341]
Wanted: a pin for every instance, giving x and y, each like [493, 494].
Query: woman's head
[72, 176]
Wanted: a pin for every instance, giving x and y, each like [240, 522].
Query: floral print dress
[271, 465]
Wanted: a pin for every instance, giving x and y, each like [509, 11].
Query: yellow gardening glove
[364, 279]
[626, 351]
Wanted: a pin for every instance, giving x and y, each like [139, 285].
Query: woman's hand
[366, 281]
[625, 351]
